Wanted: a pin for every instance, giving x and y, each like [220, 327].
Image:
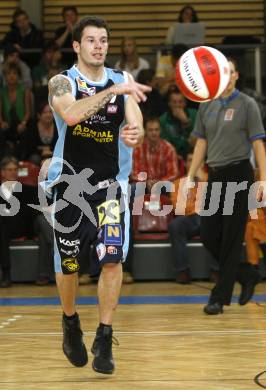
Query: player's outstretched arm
[73, 111]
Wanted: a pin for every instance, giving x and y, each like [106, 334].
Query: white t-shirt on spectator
[143, 64]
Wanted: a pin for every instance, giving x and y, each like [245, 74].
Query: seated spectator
[24, 35]
[13, 224]
[155, 156]
[184, 227]
[41, 92]
[254, 236]
[50, 58]
[63, 35]
[44, 135]
[15, 111]
[177, 122]
[130, 61]
[165, 69]
[187, 15]
[154, 105]
[12, 56]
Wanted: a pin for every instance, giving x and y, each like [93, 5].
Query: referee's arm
[259, 150]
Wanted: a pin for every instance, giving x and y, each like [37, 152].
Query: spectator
[44, 135]
[130, 60]
[12, 56]
[183, 227]
[13, 226]
[177, 122]
[63, 35]
[15, 111]
[186, 15]
[165, 69]
[41, 92]
[154, 105]
[155, 156]
[254, 236]
[49, 59]
[24, 35]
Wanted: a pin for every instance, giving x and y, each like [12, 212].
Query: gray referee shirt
[229, 125]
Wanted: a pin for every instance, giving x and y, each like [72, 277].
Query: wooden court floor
[166, 342]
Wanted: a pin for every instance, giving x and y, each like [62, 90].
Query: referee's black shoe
[213, 308]
[103, 361]
[73, 346]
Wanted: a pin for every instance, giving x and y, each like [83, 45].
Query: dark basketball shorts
[101, 222]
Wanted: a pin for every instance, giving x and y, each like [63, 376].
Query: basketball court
[165, 340]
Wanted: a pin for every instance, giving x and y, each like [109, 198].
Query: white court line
[9, 320]
[146, 333]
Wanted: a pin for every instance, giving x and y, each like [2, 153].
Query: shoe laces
[105, 345]
[74, 331]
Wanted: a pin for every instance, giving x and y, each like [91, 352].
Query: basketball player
[226, 128]
[91, 105]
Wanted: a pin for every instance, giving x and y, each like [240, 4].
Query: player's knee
[111, 267]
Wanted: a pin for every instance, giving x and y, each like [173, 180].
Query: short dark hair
[234, 61]
[88, 21]
[67, 8]
[8, 160]
[178, 50]
[172, 91]
[145, 76]
[11, 67]
[151, 118]
[41, 106]
[10, 49]
[49, 46]
[18, 12]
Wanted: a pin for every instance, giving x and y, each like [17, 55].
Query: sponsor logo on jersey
[113, 234]
[112, 109]
[82, 87]
[108, 212]
[98, 136]
[111, 250]
[101, 251]
[71, 264]
[72, 253]
[68, 243]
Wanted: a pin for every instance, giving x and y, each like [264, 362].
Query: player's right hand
[136, 90]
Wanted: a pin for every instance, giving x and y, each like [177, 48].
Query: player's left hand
[131, 135]
[261, 193]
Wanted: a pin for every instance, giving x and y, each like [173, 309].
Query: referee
[226, 128]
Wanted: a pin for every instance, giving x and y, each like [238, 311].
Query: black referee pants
[223, 235]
